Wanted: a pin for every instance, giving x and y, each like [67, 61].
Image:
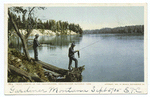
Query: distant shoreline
[127, 29]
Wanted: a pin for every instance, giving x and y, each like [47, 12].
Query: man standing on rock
[35, 45]
[71, 56]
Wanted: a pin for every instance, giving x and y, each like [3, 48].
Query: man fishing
[71, 56]
[35, 45]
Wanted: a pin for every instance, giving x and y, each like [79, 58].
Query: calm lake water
[107, 57]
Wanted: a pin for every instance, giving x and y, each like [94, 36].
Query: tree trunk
[25, 49]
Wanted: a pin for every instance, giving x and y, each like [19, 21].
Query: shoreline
[44, 32]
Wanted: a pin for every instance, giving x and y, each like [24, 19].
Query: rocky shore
[43, 32]
[21, 70]
[18, 61]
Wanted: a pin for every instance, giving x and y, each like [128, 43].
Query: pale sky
[95, 17]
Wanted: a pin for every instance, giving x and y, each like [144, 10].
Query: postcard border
[136, 85]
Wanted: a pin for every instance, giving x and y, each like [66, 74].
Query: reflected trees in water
[50, 42]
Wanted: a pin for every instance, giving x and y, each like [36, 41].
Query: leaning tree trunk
[25, 48]
[23, 40]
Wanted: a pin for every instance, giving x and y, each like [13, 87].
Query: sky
[95, 17]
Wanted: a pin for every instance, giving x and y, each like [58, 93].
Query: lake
[107, 57]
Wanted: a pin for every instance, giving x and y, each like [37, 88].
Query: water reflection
[60, 41]
[54, 42]
[15, 42]
[122, 36]
[114, 58]
[50, 42]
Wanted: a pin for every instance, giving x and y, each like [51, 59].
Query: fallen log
[27, 75]
[52, 68]
[71, 76]
[46, 72]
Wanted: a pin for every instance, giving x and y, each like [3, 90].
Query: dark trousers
[70, 62]
[35, 54]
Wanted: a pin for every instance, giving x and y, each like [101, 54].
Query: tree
[30, 24]
[53, 28]
[58, 26]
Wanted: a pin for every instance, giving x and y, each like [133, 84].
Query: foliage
[126, 29]
[27, 23]
[25, 19]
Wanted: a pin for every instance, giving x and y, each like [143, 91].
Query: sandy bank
[42, 32]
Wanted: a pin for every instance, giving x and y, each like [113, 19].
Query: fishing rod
[89, 45]
[42, 46]
[86, 47]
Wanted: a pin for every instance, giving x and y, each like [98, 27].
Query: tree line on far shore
[126, 29]
[55, 26]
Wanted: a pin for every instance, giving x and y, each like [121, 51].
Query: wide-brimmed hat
[37, 35]
[73, 44]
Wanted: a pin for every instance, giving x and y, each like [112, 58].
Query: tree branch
[30, 29]
[31, 10]
[14, 24]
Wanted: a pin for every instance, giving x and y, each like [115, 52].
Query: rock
[12, 57]
[22, 67]
[50, 76]
[75, 74]
[18, 60]
[36, 74]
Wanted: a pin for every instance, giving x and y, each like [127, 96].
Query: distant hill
[126, 29]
